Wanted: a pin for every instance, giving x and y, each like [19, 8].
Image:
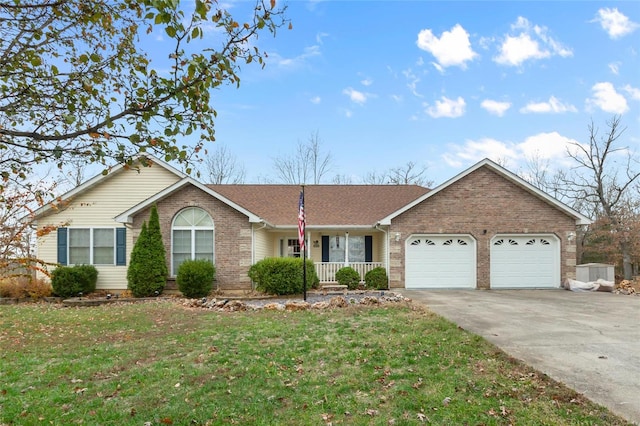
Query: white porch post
[346, 249]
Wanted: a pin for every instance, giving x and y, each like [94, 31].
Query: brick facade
[482, 204]
[233, 234]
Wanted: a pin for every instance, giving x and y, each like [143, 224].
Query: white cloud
[356, 96]
[495, 107]
[316, 100]
[447, 108]
[553, 105]
[607, 98]
[297, 61]
[615, 23]
[633, 92]
[546, 146]
[614, 67]
[550, 146]
[451, 49]
[320, 36]
[473, 151]
[413, 81]
[528, 42]
[348, 113]
[397, 98]
[367, 82]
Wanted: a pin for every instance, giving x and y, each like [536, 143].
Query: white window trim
[193, 230]
[91, 245]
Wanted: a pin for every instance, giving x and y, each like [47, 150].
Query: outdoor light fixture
[571, 236]
[397, 236]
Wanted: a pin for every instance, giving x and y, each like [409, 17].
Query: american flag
[301, 221]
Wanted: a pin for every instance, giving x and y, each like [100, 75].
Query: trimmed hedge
[377, 278]
[282, 275]
[69, 281]
[195, 278]
[349, 277]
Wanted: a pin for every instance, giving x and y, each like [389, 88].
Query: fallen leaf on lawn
[371, 412]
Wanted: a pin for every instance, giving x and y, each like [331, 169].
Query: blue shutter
[325, 248]
[368, 248]
[121, 246]
[62, 246]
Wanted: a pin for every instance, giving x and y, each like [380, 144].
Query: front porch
[327, 270]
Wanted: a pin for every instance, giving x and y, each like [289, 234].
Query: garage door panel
[527, 261]
[440, 262]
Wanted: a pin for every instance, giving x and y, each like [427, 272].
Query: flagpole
[304, 250]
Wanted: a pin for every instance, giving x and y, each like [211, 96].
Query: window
[290, 247]
[91, 246]
[360, 248]
[192, 237]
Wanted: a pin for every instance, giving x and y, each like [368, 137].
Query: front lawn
[160, 363]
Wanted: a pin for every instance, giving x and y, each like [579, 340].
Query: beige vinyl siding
[97, 207]
[262, 243]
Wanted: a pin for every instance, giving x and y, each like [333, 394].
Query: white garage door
[440, 261]
[525, 261]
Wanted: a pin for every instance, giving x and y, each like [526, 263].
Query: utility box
[594, 271]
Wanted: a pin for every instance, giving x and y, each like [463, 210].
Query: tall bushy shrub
[349, 277]
[195, 277]
[283, 275]
[147, 273]
[377, 278]
[69, 281]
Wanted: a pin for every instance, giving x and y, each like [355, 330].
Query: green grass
[162, 363]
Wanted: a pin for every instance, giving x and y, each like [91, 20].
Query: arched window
[192, 237]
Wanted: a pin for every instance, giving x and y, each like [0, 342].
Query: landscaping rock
[297, 306]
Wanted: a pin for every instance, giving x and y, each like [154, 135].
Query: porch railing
[327, 270]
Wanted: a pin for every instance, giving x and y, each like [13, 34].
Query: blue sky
[442, 84]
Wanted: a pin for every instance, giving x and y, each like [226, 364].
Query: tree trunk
[627, 265]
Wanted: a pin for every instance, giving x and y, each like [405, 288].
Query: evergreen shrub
[147, 273]
[349, 277]
[195, 278]
[282, 275]
[377, 278]
[70, 281]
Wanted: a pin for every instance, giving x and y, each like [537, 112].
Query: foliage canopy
[75, 81]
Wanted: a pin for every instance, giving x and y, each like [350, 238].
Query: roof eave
[127, 216]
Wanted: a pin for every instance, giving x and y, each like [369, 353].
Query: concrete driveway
[588, 341]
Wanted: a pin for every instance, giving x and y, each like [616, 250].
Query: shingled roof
[325, 205]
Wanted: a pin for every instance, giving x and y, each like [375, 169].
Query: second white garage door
[525, 261]
[440, 261]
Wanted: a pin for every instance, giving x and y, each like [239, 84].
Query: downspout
[386, 253]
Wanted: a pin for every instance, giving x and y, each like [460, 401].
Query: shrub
[38, 288]
[282, 275]
[195, 277]
[11, 287]
[147, 273]
[377, 278]
[349, 277]
[69, 281]
[89, 275]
